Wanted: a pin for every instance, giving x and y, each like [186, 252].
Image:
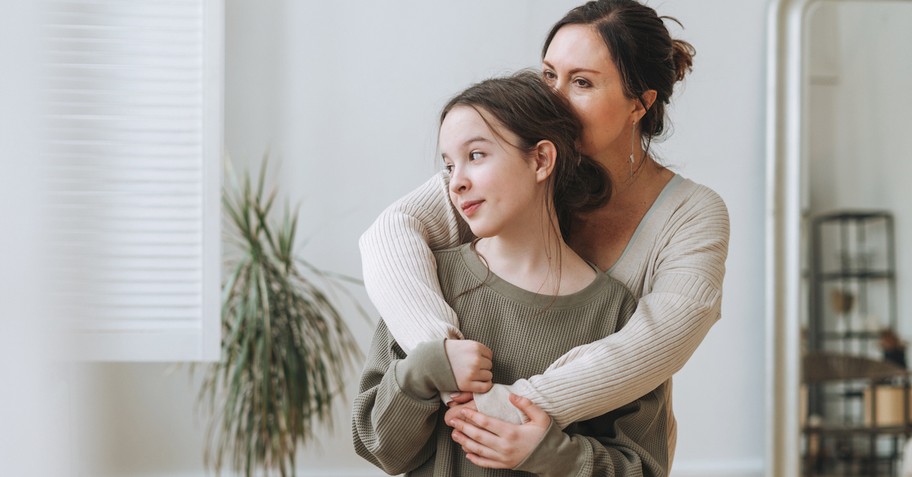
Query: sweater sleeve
[394, 416]
[609, 453]
[669, 322]
[400, 274]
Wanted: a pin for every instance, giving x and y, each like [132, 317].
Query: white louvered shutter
[134, 118]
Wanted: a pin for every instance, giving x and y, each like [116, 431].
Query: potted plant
[285, 346]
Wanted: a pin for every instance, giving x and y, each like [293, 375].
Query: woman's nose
[559, 85]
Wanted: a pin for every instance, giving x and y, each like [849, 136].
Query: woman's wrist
[496, 403]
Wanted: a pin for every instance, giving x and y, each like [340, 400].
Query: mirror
[838, 100]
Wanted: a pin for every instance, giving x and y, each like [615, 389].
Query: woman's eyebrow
[574, 70]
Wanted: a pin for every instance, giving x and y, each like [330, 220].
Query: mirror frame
[786, 128]
[785, 148]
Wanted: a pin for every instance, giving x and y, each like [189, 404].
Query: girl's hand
[471, 362]
[495, 444]
[460, 398]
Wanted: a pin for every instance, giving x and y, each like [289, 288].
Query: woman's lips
[470, 207]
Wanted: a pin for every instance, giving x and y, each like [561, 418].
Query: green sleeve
[394, 416]
[607, 446]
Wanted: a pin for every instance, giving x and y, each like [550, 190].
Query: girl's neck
[542, 263]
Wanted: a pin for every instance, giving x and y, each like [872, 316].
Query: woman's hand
[471, 362]
[495, 444]
[455, 409]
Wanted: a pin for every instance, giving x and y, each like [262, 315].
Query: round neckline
[480, 270]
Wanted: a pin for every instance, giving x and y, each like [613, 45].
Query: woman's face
[579, 65]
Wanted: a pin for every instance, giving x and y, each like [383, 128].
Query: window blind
[134, 128]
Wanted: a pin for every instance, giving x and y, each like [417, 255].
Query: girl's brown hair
[525, 105]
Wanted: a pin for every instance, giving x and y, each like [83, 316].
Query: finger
[463, 440]
[483, 387]
[524, 404]
[476, 433]
[484, 423]
[462, 397]
[483, 375]
[479, 386]
[471, 446]
[485, 462]
[481, 363]
[485, 351]
[451, 414]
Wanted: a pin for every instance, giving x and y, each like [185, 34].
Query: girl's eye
[475, 155]
[448, 168]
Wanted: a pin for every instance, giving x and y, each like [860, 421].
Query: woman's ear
[646, 100]
[545, 157]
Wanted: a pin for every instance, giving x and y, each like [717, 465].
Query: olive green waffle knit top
[397, 420]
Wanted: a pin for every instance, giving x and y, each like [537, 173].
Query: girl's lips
[469, 208]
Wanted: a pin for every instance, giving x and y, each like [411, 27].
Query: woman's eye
[549, 76]
[475, 155]
[582, 83]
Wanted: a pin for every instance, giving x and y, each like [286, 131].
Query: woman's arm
[399, 268]
[670, 321]
[394, 416]
[400, 275]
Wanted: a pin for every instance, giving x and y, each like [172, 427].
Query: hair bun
[682, 55]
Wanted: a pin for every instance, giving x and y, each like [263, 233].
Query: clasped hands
[488, 441]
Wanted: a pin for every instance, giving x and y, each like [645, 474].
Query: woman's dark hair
[642, 49]
[525, 105]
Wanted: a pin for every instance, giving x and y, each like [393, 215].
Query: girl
[516, 178]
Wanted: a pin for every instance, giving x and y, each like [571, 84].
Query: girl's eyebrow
[476, 139]
[468, 142]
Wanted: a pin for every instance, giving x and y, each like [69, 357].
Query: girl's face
[492, 183]
[579, 65]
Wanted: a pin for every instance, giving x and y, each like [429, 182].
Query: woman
[661, 235]
[516, 177]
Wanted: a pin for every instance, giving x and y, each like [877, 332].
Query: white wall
[31, 408]
[346, 94]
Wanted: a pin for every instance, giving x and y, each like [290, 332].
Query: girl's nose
[458, 181]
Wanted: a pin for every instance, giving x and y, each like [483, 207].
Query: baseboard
[299, 473]
[748, 468]
[740, 468]
[342, 473]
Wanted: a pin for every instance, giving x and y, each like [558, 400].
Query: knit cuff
[557, 455]
[496, 403]
[426, 371]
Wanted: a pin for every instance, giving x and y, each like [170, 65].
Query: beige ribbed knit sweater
[397, 420]
[673, 265]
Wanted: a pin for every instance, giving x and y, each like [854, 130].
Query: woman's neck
[602, 235]
[631, 181]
